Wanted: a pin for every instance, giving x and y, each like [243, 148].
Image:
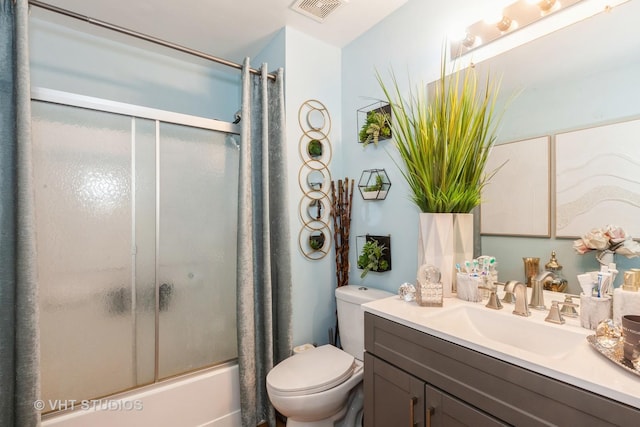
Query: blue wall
[135, 72]
[571, 96]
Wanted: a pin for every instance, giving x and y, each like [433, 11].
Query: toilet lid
[311, 371]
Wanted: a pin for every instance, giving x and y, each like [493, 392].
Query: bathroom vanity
[453, 366]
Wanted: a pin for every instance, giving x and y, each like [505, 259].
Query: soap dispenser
[557, 283]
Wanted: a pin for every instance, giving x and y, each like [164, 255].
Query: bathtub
[209, 398]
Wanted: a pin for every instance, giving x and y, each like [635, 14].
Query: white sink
[488, 327]
[556, 351]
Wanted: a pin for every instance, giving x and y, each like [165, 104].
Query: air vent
[317, 9]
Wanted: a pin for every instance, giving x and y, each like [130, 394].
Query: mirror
[315, 119]
[575, 77]
[316, 209]
[581, 76]
[315, 180]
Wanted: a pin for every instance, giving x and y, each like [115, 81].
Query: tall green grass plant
[444, 140]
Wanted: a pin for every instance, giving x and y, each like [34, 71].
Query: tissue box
[468, 287]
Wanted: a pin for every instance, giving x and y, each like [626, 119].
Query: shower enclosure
[136, 240]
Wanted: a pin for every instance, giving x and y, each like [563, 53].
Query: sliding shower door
[82, 171]
[136, 240]
[196, 249]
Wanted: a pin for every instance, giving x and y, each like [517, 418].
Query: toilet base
[349, 416]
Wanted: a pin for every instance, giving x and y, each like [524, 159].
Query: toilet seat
[311, 371]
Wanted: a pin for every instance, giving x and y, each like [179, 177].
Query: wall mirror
[316, 181]
[316, 209]
[571, 78]
[315, 119]
[580, 76]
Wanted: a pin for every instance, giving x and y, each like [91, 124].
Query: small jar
[630, 281]
[429, 292]
[558, 283]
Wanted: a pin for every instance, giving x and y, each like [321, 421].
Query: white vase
[445, 239]
[605, 257]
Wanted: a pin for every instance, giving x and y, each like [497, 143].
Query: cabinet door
[392, 397]
[444, 410]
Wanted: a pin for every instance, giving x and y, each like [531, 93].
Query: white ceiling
[230, 29]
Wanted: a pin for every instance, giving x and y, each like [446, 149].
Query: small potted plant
[373, 257]
[316, 241]
[314, 148]
[376, 127]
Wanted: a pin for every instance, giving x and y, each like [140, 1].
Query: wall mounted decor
[374, 123]
[374, 253]
[374, 184]
[314, 178]
[598, 179]
[516, 202]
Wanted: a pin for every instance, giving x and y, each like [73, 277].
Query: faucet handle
[568, 307]
[494, 301]
[555, 316]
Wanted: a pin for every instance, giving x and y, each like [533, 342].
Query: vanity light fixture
[545, 5]
[512, 17]
[469, 40]
[504, 24]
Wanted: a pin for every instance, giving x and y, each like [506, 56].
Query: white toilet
[322, 387]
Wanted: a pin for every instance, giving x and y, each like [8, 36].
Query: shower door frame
[158, 116]
[104, 105]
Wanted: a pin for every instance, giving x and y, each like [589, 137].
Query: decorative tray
[615, 354]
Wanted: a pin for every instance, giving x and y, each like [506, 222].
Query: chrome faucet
[519, 289]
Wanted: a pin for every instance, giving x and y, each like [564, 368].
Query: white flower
[611, 238]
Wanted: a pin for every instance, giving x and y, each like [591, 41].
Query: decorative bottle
[558, 283]
[429, 290]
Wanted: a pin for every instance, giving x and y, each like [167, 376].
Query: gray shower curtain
[19, 352]
[264, 267]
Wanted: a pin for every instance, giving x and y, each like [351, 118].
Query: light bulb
[504, 24]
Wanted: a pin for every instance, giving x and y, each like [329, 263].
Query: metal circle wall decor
[314, 213]
[314, 244]
[314, 179]
[315, 149]
[314, 119]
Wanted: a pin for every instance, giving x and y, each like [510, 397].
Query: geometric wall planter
[374, 184]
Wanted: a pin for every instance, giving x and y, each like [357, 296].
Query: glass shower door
[83, 187]
[136, 249]
[196, 249]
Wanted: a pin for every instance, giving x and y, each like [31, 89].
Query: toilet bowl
[313, 387]
[322, 387]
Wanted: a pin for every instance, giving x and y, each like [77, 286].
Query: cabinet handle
[430, 411]
[412, 403]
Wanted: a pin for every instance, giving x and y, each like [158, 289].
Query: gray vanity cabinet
[395, 398]
[410, 373]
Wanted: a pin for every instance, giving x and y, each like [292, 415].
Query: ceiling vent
[317, 9]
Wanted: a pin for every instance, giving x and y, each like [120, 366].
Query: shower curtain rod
[141, 36]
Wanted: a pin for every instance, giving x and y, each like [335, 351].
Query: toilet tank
[351, 317]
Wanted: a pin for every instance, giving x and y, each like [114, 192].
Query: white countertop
[581, 366]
